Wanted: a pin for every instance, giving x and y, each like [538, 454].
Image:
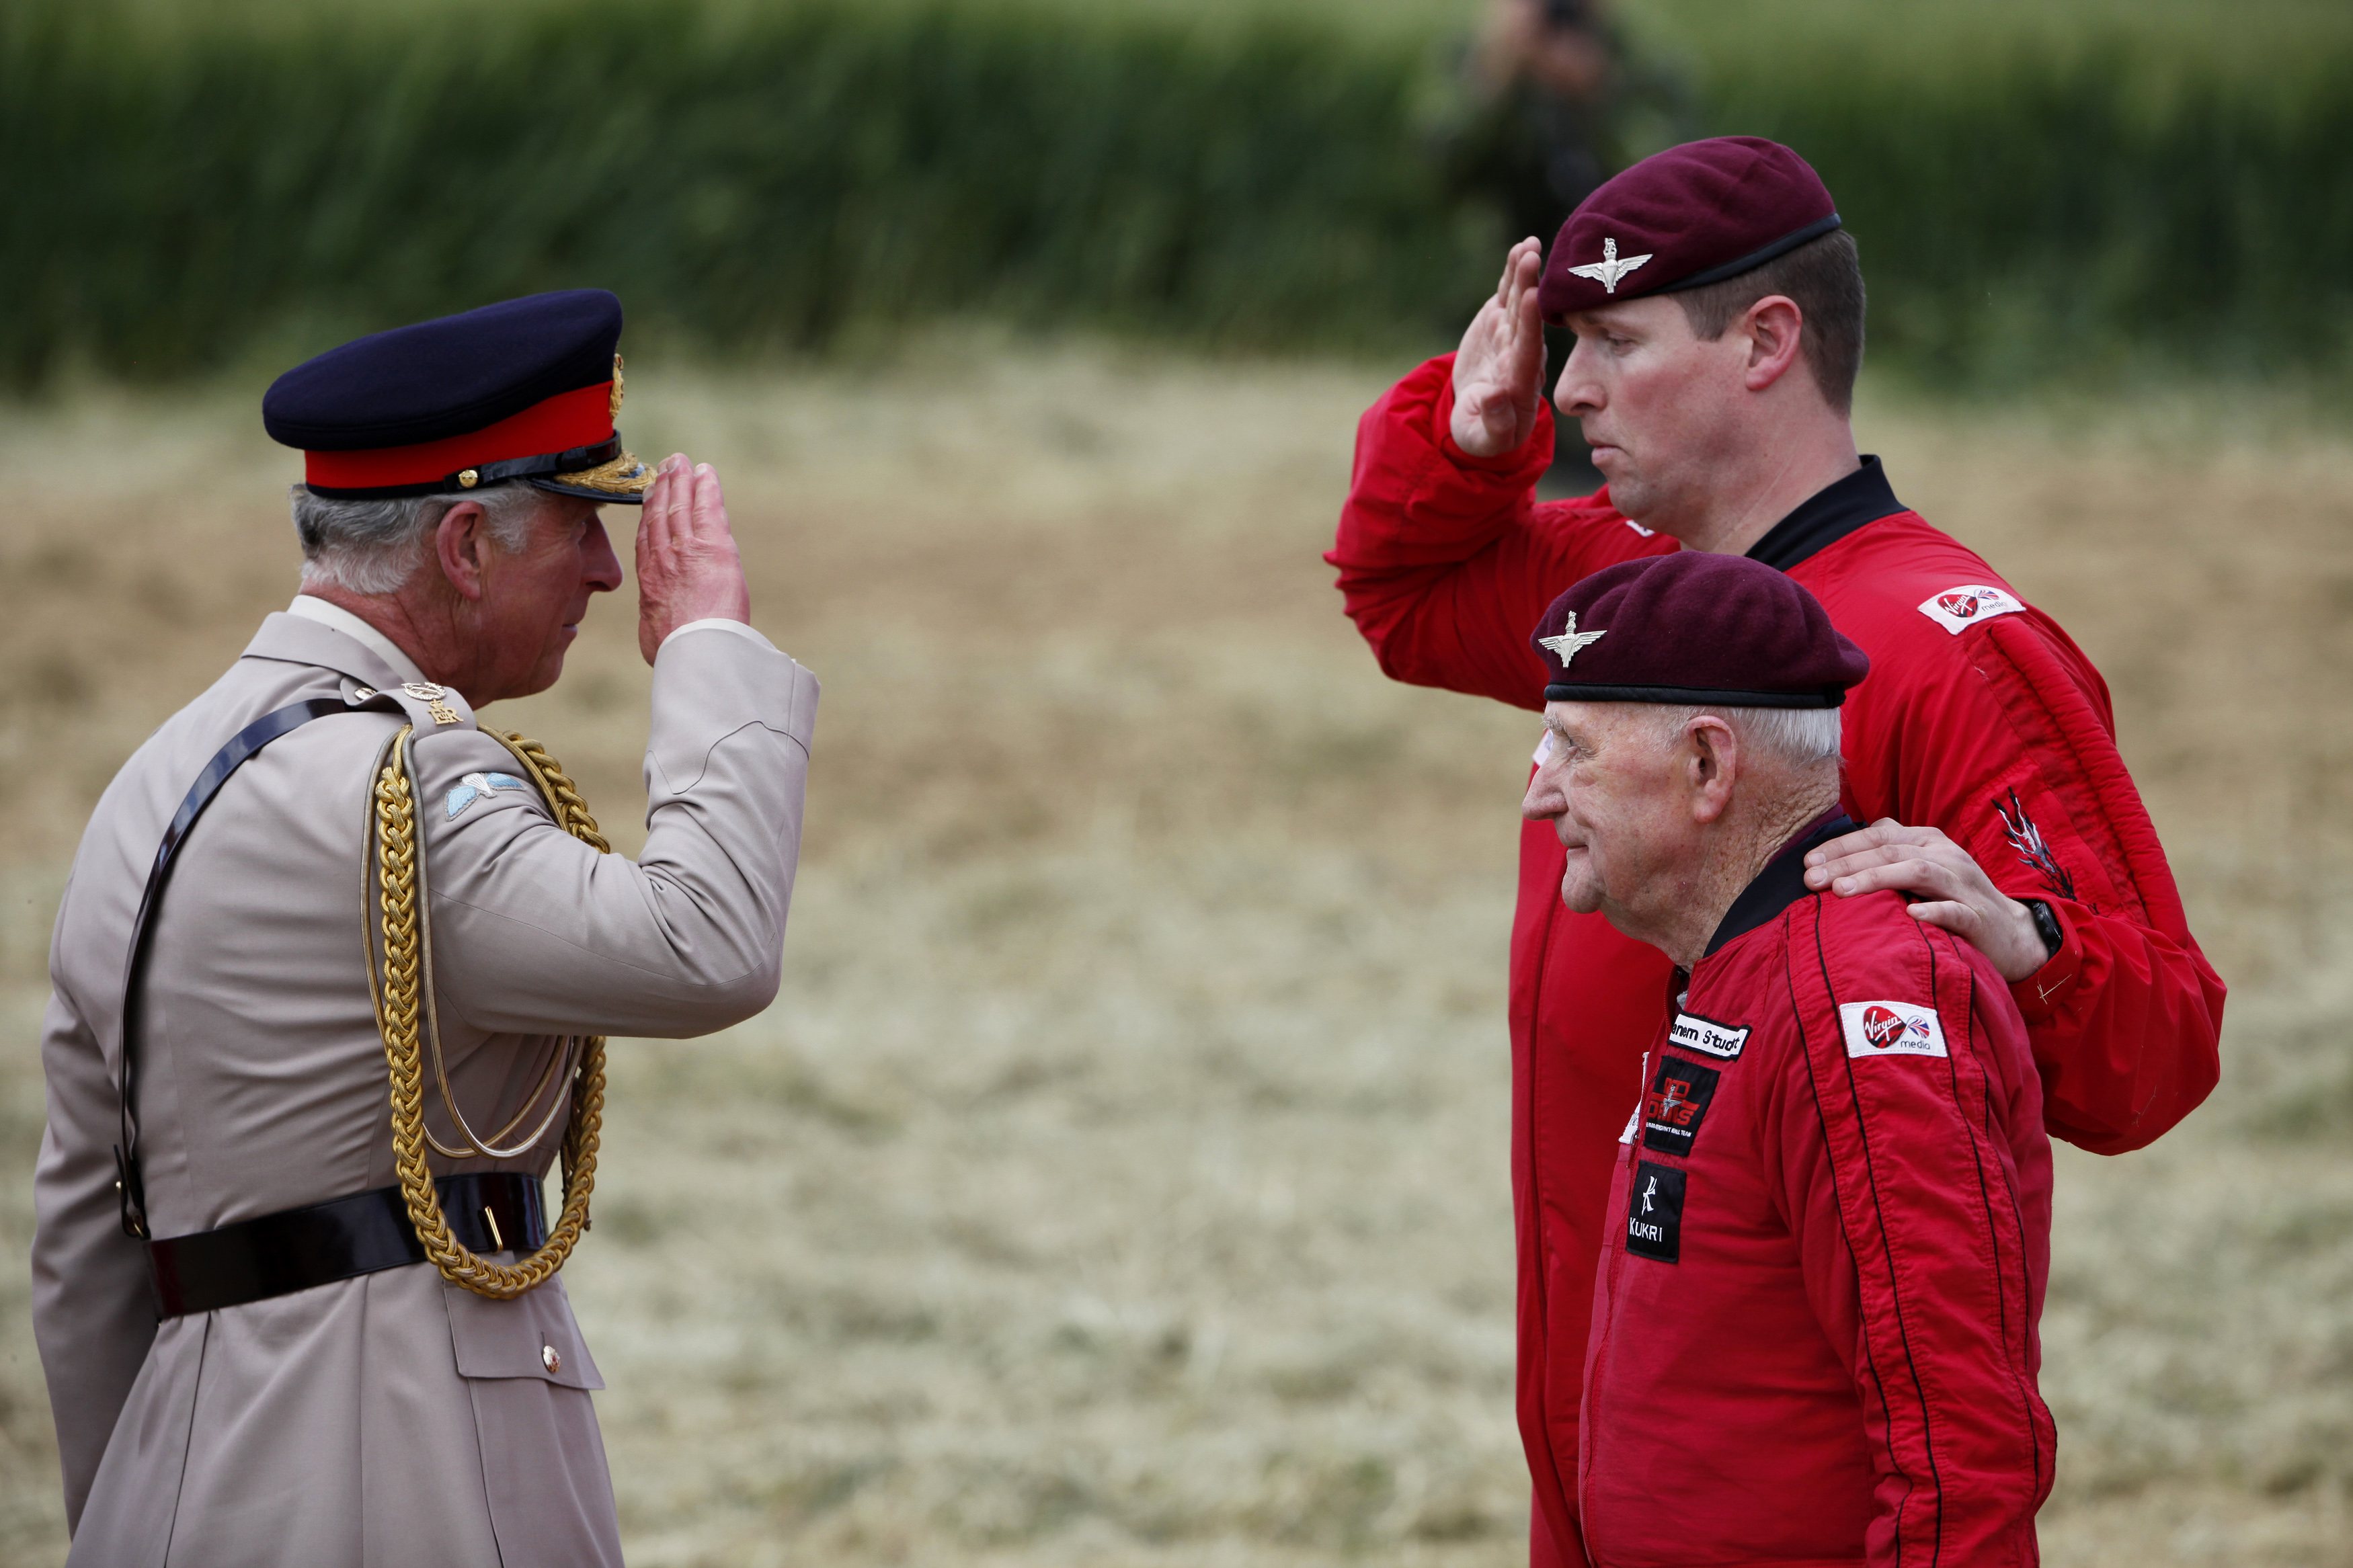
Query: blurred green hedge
[189, 186]
[756, 176]
[2026, 211]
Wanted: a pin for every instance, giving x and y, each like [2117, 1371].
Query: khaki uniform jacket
[389, 1419]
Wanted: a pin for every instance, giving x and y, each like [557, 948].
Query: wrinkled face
[1611, 784]
[1659, 406]
[534, 598]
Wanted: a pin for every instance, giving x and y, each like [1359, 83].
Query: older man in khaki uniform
[271, 1336]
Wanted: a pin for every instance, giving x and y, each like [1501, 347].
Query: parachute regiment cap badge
[1608, 271]
[1571, 639]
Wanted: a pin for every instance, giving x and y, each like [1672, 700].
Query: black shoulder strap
[226, 760]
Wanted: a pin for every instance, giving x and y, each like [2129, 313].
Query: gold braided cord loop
[400, 1018]
[562, 796]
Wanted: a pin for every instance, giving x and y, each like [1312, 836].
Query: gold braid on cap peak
[624, 476]
[403, 1021]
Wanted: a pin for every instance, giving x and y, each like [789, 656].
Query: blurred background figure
[1543, 73]
[1550, 84]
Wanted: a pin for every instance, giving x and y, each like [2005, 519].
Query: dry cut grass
[1121, 1177]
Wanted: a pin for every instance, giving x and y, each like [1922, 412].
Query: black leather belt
[279, 1254]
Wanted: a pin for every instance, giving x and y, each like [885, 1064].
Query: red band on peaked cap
[581, 417]
[1684, 218]
[1693, 627]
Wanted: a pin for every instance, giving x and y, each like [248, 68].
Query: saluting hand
[1958, 895]
[688, 566]
[1499, 369]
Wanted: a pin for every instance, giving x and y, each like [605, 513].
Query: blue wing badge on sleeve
[474, 786]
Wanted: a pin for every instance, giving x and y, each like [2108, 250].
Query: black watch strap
[2046, 925]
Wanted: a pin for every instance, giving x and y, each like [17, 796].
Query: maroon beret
[1693, 627]
[1684, 218]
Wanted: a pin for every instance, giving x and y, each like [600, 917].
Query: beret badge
[1698, 628]
[1570, 641]
[1610, 270]
[1684, 218]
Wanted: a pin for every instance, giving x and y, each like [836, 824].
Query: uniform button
[549, 1359]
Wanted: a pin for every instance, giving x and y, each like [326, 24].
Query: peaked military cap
[525, 389]
[1696, 628]
[1684, 218]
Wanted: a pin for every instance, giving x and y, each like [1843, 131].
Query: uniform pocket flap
[531, 1336]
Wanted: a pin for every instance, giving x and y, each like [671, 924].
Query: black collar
[1780, 884]
[1827, 516]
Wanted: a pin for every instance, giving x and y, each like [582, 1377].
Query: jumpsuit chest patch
[1707, 1037]
[1654, 1212]
[1675, 1104]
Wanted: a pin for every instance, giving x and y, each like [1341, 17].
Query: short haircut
[373, 546]
[1824, 278]
[1801, 737]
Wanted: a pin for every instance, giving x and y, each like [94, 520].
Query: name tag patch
[1676, 1104]
[1891, 1029]
[1654, 1212]
[1707, 1037]
[1957, 609]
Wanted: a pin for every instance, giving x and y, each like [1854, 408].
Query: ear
[1713, 763]
[1773, 326]
[459, 543]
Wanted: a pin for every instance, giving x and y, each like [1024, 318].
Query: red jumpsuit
[1814, 1336]
[1979, 717]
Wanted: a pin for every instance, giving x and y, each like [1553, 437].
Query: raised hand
[688, 566]
[1499, 369]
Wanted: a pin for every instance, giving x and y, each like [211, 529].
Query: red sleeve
[2018, 764]
[1446, 561]
[1917, 1180]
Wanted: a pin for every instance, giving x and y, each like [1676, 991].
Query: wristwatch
[2046, 925]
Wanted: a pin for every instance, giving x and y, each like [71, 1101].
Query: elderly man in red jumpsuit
[1814, 1334]
[1717, 305]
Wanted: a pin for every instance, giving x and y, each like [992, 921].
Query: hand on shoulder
[1954, 893]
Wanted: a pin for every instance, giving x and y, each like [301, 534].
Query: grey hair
[375, 546]
[1801, 737]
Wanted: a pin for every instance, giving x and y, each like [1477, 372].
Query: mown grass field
[1120, 1177]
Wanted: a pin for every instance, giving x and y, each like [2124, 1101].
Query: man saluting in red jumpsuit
[1718, 311]
[1814, 1331]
